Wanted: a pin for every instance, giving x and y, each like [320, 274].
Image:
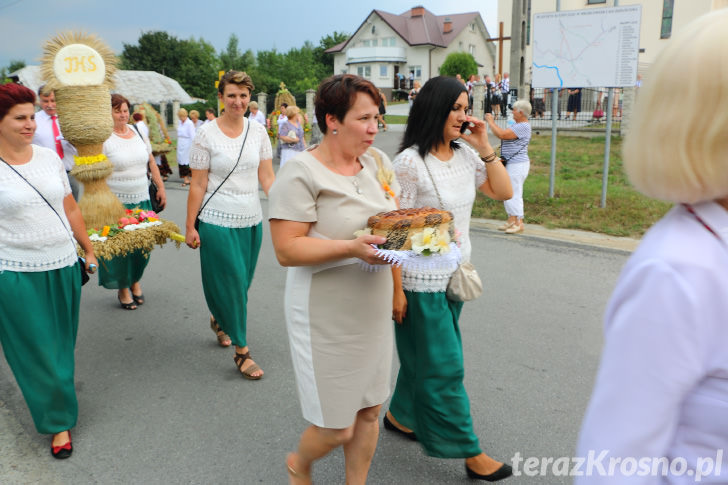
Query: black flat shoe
[391, 427]
[504, 471]
[64, 451]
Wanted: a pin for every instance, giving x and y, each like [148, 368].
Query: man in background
[48, 134]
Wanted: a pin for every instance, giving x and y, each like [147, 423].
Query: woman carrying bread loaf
[338, 316]
[435, 169]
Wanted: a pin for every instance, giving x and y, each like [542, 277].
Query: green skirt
[123, 271]
[228, 257]
[430, 396]
[38, 327]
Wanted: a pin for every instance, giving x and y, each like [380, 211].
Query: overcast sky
[260, 24]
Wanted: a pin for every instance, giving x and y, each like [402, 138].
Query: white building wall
[684, 13]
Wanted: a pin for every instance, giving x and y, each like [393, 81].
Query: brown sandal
[247, 373]
[222, 338]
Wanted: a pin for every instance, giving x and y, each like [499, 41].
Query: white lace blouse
[457, 180]
[130, 157]
[236, 204]
[32, 238]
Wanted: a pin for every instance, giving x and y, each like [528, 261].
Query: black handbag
[81, 262]
[156, 205]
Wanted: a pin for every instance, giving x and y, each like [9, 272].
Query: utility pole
[519, 17]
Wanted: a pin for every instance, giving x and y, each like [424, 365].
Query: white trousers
[518, 173]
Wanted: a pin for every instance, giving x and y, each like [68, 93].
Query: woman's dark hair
[12, 94]
[336, 95]
[117, 100]
[429, 113]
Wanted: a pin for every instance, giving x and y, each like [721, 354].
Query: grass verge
[578, 189]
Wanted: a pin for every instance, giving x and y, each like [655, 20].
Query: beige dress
[339, 316]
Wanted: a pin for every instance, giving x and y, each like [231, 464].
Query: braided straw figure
[79, 69]
[158, 136]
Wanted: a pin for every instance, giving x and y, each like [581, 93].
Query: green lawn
[578, 189]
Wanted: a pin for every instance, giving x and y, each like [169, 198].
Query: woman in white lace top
[433, 407]
[40, 281]
[230, 156]
[131, 155]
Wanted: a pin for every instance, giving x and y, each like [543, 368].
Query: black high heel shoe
[391, 427]
[504, 471]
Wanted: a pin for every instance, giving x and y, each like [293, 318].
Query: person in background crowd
[195, 118]
[40, 278]
[48, 134]
[209, 115]
[505, 88]
[382, 110]
[489, 86]
[514, 149]
[230, 158]
[413, 93]
[338, 317]
[573, 104]
[411, 79]
[660, 397]
[141, 124]
[185, 134]
[538, 102]
[131, 156]
[435, 169]
[255, 113]
[496, 96]
[291, 145]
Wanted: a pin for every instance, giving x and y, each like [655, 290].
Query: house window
[667, 11]
[388, 41]
[417, 70]
[375, 42]
[364, 71]
[472, 26]
[366, 43]
[471, 49]
[590, 2]
[383, 70]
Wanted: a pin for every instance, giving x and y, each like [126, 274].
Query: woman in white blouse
[185, 135]
[40, 281]
[131, 155]
[229, 158]
[660, 402]
[433, 406]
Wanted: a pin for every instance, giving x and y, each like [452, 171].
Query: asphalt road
[161, 403]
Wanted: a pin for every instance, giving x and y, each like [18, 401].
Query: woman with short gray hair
[514, 155]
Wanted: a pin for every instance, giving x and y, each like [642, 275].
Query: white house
[417, 41]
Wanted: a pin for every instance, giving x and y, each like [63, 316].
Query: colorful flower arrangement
[134, 219]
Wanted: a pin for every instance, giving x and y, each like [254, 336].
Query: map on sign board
[586, 48]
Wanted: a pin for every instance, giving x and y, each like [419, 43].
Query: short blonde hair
[292, 111]
[678, 151]
[181, 111]
[253, 105]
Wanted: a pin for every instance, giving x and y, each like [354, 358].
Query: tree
[14, 65]
[461, 63]
[232, 58]
[324, 59]
[192, 63]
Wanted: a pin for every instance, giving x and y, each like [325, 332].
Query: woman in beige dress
[339, 316]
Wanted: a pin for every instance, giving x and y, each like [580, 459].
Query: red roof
[426, 29]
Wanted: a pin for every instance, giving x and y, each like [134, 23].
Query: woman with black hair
[435, 169]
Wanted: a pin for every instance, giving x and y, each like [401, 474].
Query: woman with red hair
[40, 281]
